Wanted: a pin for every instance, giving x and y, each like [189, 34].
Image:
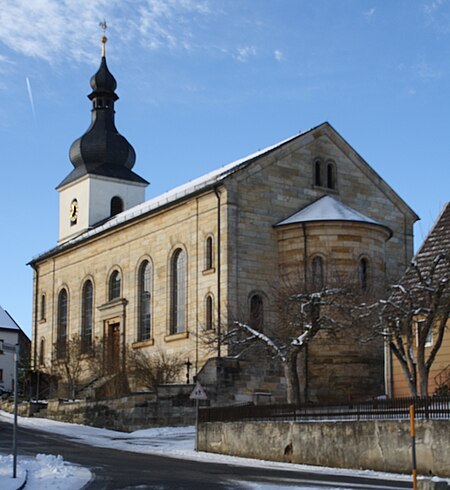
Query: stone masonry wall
[154, 238]
[171, 406]
[375, 445]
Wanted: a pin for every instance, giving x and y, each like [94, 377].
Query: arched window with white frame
[61, 324]
[209, 253]
[87, 310]
[115, 285]
[209, 312]
[178, 292]
[43, 307]
[144, 299]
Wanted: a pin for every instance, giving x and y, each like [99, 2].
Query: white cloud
[245, 52]
[427, 72]
[369, 12]
[431, 7]
[279, 56]
[53, 30]
[30, 97]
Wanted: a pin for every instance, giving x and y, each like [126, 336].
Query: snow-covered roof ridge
[6, 321]
[327, 208]
[212, 178]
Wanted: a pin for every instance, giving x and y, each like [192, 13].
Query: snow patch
[42, 472]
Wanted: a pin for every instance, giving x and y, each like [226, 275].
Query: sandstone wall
[375, 445]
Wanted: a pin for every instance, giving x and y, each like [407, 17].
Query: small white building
[11, 334]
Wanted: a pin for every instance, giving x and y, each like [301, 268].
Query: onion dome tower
[102, 183]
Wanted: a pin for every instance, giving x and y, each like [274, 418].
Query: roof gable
[327, 208]
[218, 176]
[6, 321]
[436, 244]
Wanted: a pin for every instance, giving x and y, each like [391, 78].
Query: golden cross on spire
[103, 38]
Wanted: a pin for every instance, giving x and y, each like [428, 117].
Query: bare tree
[416, 311]
[68, 365]
[107, 371]
[153, 369]
[301, 316]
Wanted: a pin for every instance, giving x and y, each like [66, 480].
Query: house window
[318, 173]
[256, 312]
[209, 255]
[114, 285]
[209, 322]
[42, 351]
[116, 205]
[419, 325]
[363, 270]
[86, 316]
[144, 291]
[43, 313]
[61, 334]
[178, 292]
[317, 273]
[1, 375]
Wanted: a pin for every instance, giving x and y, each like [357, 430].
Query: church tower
[102, 183]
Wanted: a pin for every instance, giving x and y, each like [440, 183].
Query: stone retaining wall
[171, 406]
[375, 445]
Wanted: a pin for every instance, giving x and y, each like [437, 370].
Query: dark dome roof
[102, 145]
[97, 147]
[103, 80]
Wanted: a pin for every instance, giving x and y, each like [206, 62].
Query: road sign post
[15, 349]
[198, 393]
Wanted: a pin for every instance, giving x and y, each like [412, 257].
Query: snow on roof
[328, 208]
[436, 243]
[173, 195]
[6, 321]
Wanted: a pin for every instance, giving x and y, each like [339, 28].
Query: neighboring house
[154, 274]
[11, 334]
[435, 244]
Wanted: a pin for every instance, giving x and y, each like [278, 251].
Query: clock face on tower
[73, 212]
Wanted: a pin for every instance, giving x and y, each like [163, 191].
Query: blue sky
[204, 82]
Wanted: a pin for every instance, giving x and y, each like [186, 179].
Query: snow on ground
[175, 442]
[43, 472]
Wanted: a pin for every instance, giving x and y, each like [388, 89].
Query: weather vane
[104, 38]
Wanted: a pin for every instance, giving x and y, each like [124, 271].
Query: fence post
[413, 445]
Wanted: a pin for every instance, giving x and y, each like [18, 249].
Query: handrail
[438, 378]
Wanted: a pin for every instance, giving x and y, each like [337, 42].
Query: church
[155, 274]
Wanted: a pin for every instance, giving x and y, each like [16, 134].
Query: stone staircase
[442, 379]
[90, 391]
[229, 381]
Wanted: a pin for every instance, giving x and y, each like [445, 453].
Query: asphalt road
[113, 469]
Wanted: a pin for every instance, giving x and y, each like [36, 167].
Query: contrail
[30, 95]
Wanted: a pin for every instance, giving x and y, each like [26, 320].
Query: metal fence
[426, 408]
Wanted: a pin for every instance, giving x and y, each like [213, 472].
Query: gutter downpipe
[388, 381]
[219, 330]
[305, 275]
[35, 316]
[196, 290]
